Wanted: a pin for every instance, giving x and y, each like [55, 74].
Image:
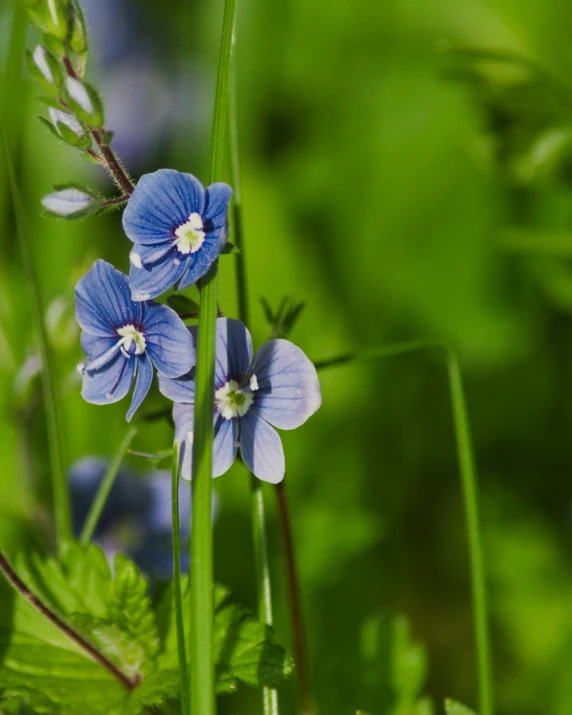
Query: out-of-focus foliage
[406, 172]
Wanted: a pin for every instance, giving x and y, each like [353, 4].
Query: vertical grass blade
[98, 504]
[177, 586]
[49, 383]
[201, 639]
[469, 488]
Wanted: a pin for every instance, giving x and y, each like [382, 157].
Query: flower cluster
[178, 229]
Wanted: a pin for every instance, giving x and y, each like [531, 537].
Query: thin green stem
[98, 504]
[177, 586]
[469, 487]
[264, 590]
[201, 639]
[49, 382]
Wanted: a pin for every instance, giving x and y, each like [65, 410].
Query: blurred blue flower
[280, 387]
[123, 339]
[178, 229]
[136, 517]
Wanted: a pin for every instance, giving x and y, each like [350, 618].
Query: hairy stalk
[108, 159]
[264, 590]
[469, 487]
[201, 639]
[15, 581]
[49, 383]
[178, 590]
[98, 504]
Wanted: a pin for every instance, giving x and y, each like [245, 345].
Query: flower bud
[51, 16]
[44, 68]
[85, 101]
[70, 202]
[69, 128]
[78, 40]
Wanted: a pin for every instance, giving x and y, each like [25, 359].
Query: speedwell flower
[280, 387]
[178, 229]
[123, 339]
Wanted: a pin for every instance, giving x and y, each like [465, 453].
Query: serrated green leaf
[45, 670]
[452, 707]
[244, 647]
[130, 608]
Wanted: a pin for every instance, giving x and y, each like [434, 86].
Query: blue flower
[137, 514]
[280, 387]
[123, 339]
[178, 229]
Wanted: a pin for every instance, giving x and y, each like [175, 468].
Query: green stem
[469, 486]
[201, 639]
[49, 382]
[264, 590]
[98, 504]
[178, 590]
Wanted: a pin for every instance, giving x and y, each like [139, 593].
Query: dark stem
[295, 602]
[23, 590]
[111, 162]
[113, 165]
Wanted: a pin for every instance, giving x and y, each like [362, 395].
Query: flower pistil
[190, 235]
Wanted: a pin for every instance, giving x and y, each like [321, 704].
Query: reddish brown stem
[111, 162]
[295, 602]
[13, 578]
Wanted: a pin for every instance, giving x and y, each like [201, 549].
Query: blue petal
[288, 387]
[103, 301]
[152, 280]
[261, 448]
[199, 263]
[233, 351]
[115, 377]
[161, 202]
[224, 445]
[215, 217]
[94, 346]
[159, 514]
[147, 255]
[181, 389]
[183, 416]
[144, 380]
[169, 342]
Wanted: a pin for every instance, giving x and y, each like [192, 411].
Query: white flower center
[232, 401]
[190, 235]
[132, 340]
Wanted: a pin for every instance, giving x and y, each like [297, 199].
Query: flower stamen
[132, 341]
[190, 235]
[231, 401]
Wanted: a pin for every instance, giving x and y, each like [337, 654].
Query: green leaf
[45, 670]
[183, 306]
[244, 647]
[452, 707]
[393, 669]
[229, 248]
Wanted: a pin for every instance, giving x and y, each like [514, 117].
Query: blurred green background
[402, 186]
